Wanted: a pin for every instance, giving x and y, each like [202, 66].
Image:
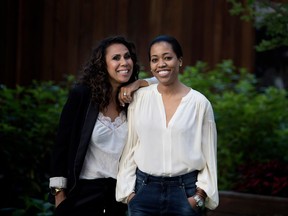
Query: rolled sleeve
[58, 182]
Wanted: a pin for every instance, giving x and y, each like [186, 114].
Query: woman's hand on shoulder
[126, 92]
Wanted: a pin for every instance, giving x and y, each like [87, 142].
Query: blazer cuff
[58, 182]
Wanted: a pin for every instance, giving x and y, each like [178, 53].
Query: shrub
[28, 123]
[252, 125]
[268, 178]
[252, 130]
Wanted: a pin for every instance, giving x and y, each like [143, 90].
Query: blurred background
[235, 52]
[45, 39]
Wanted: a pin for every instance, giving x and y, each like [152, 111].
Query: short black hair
[169, 39]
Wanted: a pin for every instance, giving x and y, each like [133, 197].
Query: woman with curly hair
[93, 131]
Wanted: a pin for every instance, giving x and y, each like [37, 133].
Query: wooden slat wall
[46, 39]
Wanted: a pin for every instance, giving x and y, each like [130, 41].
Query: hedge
[252, 125]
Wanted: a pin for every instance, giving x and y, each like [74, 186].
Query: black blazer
[76, 125]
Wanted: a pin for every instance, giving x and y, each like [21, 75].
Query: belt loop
[146, 177]
[181, 180]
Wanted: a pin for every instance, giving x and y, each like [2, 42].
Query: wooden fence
[46, 39]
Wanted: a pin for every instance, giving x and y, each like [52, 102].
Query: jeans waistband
[188, 177]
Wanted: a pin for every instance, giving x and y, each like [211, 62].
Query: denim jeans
[163, 195]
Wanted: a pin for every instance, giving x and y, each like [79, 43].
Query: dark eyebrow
[118, 54]
[115, 55]
[166, 53]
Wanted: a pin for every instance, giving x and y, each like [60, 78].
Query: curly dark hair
[95, 75]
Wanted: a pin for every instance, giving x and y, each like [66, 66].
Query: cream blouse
[188, 143]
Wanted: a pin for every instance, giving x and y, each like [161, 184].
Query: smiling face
[119, 64]
[164, 63]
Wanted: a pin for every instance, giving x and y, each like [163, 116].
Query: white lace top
[106, 145]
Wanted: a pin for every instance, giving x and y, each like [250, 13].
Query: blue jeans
[163, 195]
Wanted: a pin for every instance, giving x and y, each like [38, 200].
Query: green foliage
[252, 128]
[28, 124]
[143, 75]
[34, 206]
[268, 15]
[252, 125]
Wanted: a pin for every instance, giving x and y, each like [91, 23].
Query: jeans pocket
[138, 188]
[189, 190]
[139, 185]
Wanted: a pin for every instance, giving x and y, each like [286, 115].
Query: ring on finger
[124, 93]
